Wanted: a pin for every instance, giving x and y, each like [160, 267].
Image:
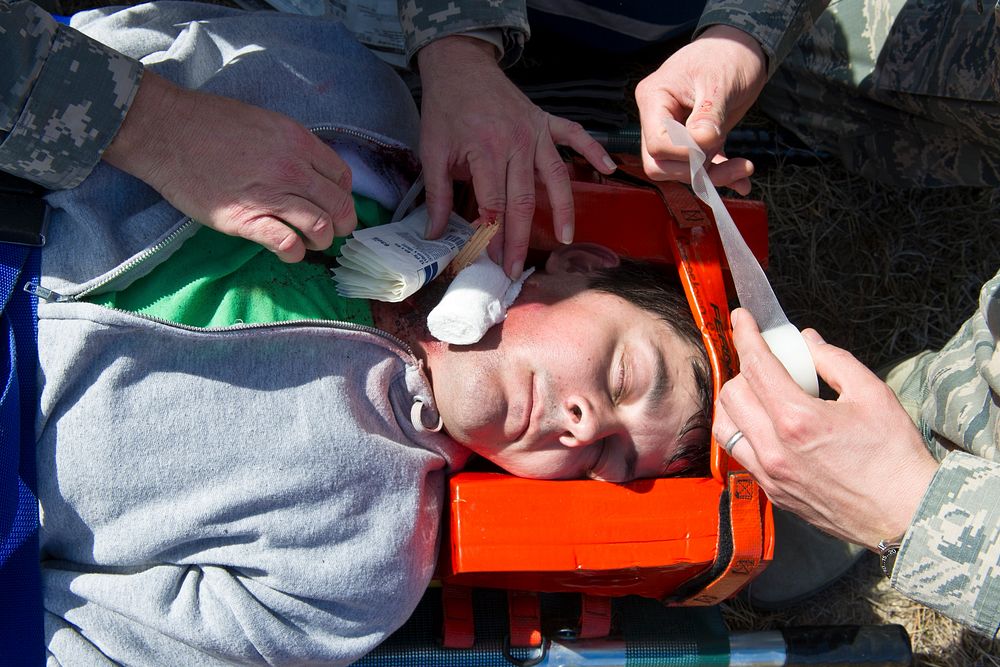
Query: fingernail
[813, 336]
[566, 235]
[609, 163]
[490, 216]
[515, 271]
[427, 230]
[733, 315]
[705, 124]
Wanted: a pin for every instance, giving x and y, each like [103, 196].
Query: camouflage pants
[903, 92]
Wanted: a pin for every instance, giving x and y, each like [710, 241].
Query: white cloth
[477, 299]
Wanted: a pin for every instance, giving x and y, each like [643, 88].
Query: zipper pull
[45, 294]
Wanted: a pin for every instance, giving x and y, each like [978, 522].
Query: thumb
[706, 122]
[839, 368]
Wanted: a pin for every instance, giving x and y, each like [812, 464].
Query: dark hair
[656, 289]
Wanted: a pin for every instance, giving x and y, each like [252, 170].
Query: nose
[581, 422]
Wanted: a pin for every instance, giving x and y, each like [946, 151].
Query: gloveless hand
[707, 85]
[477, 125]
[855, 467]
[236, 168]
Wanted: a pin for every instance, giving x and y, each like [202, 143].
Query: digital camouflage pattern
[423, 21]
[950, 559]
[63, 97]
[906, 93]
[775, 24]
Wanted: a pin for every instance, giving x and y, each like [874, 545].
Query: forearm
[775, 24]
[426, 21]
[146, 140]
[63, 97]
[951, 554]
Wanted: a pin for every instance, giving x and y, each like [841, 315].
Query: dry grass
[881, 271]
[884, 273]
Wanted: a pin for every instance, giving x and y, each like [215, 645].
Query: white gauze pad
[476, 300]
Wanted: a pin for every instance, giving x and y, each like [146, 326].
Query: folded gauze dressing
[476, 300]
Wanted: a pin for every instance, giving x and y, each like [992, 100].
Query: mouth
[527, 411]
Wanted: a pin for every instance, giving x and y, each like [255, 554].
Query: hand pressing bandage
[476, 300]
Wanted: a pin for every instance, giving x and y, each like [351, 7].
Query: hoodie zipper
[360, 134]
[52, 296]
[48, 295]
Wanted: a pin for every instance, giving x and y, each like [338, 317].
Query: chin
[484, 446]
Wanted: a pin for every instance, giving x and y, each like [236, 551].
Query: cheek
[529, 316]
[550, 331]
[535, 341]
[470, 399]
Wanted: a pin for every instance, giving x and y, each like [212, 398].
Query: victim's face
[574, 383]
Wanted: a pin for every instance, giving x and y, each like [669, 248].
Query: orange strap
[595, 616]
[748, 542]
[458, 628]
[683, 206]
[525, 614]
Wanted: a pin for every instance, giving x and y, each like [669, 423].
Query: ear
[581, 258]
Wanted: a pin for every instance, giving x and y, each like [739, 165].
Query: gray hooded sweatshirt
[254, 494]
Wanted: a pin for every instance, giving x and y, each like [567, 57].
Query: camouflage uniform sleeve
[63, 97]
[775, 24]
[950, 557]
[423, 21]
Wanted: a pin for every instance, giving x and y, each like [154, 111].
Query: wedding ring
[732, 442]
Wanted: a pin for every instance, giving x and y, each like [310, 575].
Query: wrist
[734, 36]
[456, 51]
[138, 147]
[913, 479]
[903, 499]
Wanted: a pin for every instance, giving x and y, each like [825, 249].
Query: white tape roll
[788, 345]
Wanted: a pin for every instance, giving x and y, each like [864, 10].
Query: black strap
[23, 213]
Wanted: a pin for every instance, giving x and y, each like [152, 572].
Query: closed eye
[619, 388]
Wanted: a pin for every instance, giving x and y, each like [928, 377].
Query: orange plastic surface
[646, 537]
[633, 221]
[643, 538]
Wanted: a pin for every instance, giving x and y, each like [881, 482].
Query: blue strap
[21, 634]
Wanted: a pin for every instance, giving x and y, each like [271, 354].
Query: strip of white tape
[752, 288]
